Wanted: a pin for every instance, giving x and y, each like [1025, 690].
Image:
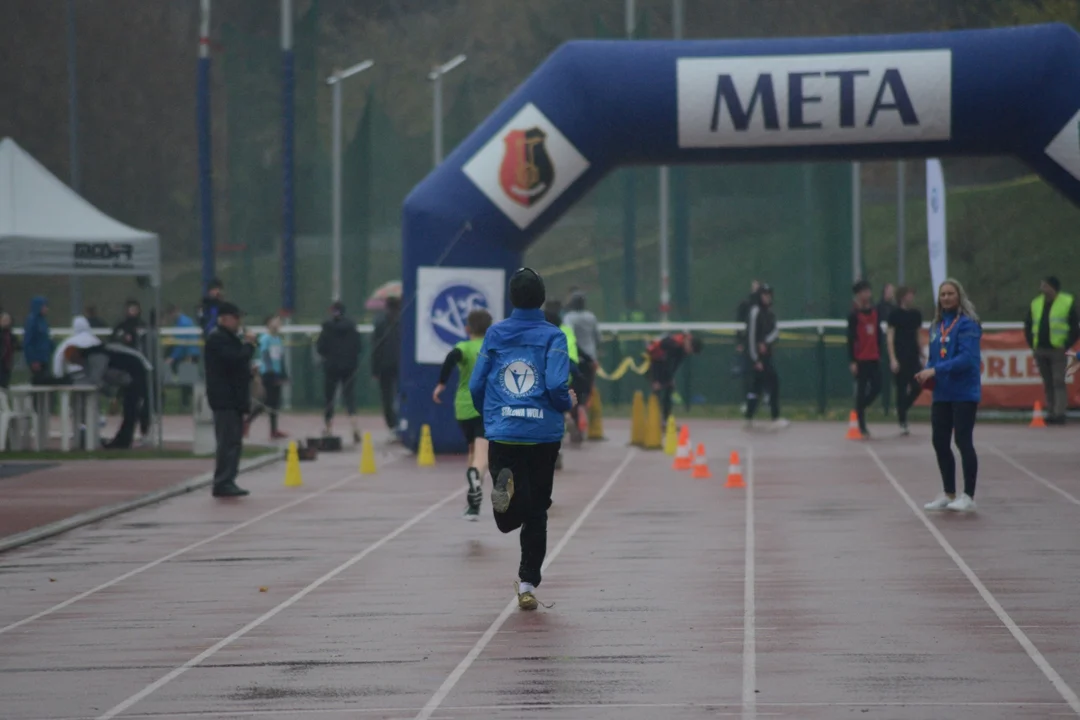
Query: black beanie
[527, 289]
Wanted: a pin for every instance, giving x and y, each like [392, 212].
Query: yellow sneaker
[526, 600]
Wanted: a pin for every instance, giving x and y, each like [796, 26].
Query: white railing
[820, 326]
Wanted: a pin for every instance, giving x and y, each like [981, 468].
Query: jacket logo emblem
[519, 378]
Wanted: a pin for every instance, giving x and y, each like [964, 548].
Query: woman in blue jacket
[953, 370]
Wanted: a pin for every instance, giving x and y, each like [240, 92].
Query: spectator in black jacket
[131, 332]
[228, 390]
[386, 347]
[339, 348]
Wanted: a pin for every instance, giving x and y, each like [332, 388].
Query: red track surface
[382, 603]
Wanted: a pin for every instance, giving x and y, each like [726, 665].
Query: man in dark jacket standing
[339, 348]
[386, 346]
[228, 388]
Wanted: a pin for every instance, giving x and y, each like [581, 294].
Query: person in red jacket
[864, 351]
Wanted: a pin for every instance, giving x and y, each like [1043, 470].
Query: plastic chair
[9, 415]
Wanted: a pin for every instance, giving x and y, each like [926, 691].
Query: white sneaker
[964, 503]
[780, 423]
[941, 502]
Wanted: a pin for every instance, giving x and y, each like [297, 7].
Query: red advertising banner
[1010, 377]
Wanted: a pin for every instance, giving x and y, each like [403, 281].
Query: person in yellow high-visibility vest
[553, 314]
[1051, 328]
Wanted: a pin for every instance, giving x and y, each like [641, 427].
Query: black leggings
[949, 419]
[764, 381]
[534, 474]
[867, 388]
[272, 402]
[907, 390]
[331, 379]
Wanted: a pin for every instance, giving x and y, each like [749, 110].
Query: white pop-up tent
[46, 228]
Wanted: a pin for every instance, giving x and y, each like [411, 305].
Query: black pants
[867, 388]
[907, 390]
[388, 393]
[534, 474]
[272, 402]
[229, 432]
[331, 379]
[763, 381]
[949, 420]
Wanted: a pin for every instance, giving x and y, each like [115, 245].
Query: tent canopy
[46, 228]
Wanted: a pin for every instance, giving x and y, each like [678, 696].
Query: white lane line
[452, 680]
[749, 668]
[269, 614]
[177, 553]
[1063, 493]
[1041, 662]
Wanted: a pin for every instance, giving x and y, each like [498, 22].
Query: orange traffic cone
[1037, 416]
[701, 465]
[683, 461]
[734, 473]
[853, 431]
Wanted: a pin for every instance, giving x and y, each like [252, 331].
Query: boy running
[520, 386]
[463, 356]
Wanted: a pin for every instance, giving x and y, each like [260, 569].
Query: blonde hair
[965, 307]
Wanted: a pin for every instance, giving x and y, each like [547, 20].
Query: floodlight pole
[335, 81]
[436, 76]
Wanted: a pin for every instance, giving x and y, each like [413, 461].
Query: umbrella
[378, 298]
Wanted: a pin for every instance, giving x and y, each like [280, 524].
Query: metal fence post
[822, 372]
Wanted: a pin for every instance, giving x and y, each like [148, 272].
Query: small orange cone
[1037, 415]
[734, 473]
[701, 465]
[853, 431]
[683, 461]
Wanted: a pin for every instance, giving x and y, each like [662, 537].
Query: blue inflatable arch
[595, 105]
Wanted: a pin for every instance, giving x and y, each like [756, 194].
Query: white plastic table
[23, 397]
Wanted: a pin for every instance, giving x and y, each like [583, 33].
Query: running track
[820, 591]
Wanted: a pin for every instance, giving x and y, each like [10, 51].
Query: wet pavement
[369, 597]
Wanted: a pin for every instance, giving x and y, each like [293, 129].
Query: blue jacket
[37, 345]
[520, 380]
[958, 377]
[185, 343]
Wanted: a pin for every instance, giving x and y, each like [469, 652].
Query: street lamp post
[334, 81]
[436, 77]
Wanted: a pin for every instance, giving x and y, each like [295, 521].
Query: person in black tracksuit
[227, 357]
[905, 357]
[132, 332]
[864, 351]
[117, 365]
[385, 350]
[762, 332]
[665, 357]
[742, 366]
[339, 348]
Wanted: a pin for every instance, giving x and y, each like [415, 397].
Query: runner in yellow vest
[1051, 328]
[463, 357]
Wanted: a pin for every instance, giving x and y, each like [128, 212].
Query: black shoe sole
[503, 491]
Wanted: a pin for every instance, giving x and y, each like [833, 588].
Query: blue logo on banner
[451, 309]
